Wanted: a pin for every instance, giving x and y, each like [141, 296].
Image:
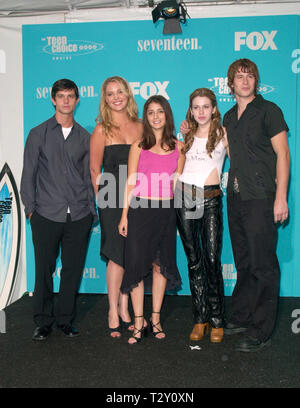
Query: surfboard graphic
[10, 234]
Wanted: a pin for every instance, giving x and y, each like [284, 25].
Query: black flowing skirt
[151, 239]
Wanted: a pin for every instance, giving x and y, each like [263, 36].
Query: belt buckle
[193, 192]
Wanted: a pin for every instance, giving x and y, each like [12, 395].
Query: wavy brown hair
[168, 138]
[216, 131]
[105, 116]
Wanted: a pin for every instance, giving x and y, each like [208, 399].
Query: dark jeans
[202, 242]
[48, 236]
[254, 237]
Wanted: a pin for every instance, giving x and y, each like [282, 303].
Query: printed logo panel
[60, 47]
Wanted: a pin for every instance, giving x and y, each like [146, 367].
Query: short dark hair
[63, 84]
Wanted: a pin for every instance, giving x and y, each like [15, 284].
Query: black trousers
[202, 242]
[254, 237]
[48, 237]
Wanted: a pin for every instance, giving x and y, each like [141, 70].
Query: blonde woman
[117, 128]
[205, 148]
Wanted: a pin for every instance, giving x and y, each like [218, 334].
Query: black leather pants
[202, 242]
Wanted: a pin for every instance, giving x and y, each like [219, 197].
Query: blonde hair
[105, 115]
[216, 131]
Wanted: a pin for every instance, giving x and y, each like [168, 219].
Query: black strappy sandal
[126, 325]
[142, 330]
[154, 326]
[116, 330]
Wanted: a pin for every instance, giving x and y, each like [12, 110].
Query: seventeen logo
[85, 91]
[255, 40]
[168, 44]
[87, 273]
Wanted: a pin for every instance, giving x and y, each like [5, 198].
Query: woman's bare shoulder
[98, 134]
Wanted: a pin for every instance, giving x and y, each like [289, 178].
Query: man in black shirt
[59, 201]
[257, 200]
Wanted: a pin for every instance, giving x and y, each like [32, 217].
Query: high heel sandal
[142, 330]
[126, 325]
[116, 330]
[199, 330]
[154, 326]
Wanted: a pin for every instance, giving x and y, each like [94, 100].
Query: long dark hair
[168, 138]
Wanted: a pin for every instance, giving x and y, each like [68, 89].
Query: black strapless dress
[110, 200]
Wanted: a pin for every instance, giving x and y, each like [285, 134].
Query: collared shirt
[252, 158]
[56, 174]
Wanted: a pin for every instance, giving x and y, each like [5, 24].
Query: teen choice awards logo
[10, 234]
[219, 85]
[61, 48]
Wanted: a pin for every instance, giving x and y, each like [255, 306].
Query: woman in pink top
[148, 220]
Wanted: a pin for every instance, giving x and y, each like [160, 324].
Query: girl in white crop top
[200, 168]
[205, 147]
[206, 143]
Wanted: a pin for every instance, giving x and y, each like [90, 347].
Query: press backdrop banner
[173, 66]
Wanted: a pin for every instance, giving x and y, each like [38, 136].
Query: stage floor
[94, 360]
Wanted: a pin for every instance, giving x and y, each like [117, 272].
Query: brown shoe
[216, 335]
[199, 330]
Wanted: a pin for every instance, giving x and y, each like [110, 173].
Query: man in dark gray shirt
[59, 201]
[257, 201]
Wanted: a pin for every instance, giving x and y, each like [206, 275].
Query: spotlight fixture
[173, 12]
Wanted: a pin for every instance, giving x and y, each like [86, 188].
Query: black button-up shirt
[56, 174]
[252, 158]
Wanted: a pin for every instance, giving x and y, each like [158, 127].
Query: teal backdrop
[171, 65]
